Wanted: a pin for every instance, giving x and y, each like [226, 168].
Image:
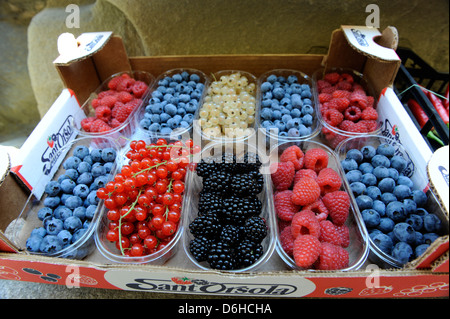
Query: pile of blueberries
[393, 211]
[71, 201]
[286, 106]
[173, 104]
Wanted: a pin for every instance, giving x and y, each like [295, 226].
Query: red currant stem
[149, 168]
[120, 221]
[169, 187]
[166, 213]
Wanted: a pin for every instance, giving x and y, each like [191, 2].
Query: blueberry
[191, 107]
[73, 173]
[96, 155]
[296, 101]
[90, 211]
[388, 197]
[384, 243]
[98, 170]
[356, 155]
[386, 185]
[85, 178]
[396, 211]
[92, 198]
[98, 182]
[371, 218]
[65, 236]
[393, 173]
[67, 186]
[415, 221]
[369, 179]
[72, 224]
[266, 86]
[421, 249]
[188, 118]
[405, 180]
[429, 238]
[365, 168]
[410, 206]
[170, 109]
[83, 167]
[373, 192]
[52, 201]
[431, 223]
[54, 226]
[81, 151]
[368, 152]
[154, 127]
[304, 131]
[381, 172]
[276, 115]
[380, 207]
[155, 108]
[272, 78]
[80, 212]
[71, 162]
[266, 114]
[81, 190]
[307, 120]
[73, 202]
[349, 164]
[354, 175]
[183, 98]
[44, 212]
[307, 109]
[380, 160]
[402, 252]
[386, 225]
[39, 231]
[78, 234]
[419, 239]
[364, 202]
[108, 154]
[398, 162]
[52, 188]
[402, 192]
[358, 188]
[419, 197]
[405, 232]
[386, 150]
[33, 243]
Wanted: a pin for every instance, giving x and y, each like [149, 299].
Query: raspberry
[369, 113]
[332, 77]
[342, 93]
[333, 117]
[329, 233]
[306, 250]
[318, 208]
[344, 233]
[344, 85]
[339, 104]
[332, 257]
[96, 103]
[338, 205]
[315, 159]
[347, 77]
[114, 123]
[133, 104]
[304, 172]
[346, 125]
[283, 175]
[287, 241]
[321, 84]
[99, 126]
[359, 127]
[86, 123]
[138, 89]
[359, 99]
[114, 82]
[108, 101]
[370, 101]
[103, 113]
[293, 154]
[329, 89]
[371, 125]
[325, 97]
[284, 207]
[120, 112]
[328, 180]
[306, 191]
[352, 113]
[124, 97]
[305, 223]
[125, 84]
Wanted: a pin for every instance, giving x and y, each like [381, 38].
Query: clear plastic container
[28, 219]
[126, 128]
[215, 150]
[358, 247]
[178, 132]
[219, 134]
[376, 255]
[332, 135]
[109, 250]
[274, 137]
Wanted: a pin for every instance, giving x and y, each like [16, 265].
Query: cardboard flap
[438, 174]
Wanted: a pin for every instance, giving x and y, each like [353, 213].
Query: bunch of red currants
[144, 200]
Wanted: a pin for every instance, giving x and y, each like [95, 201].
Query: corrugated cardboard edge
[433, 253]
[441, 264]
[5, 164]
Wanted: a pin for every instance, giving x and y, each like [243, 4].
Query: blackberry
[249, 162]
[255, 229]
[209, 202]
[237, 210]
[248, 253]
[204, 168]
[217, 182]
[247, 184]
[228, 162]
[199, 248]
[221, 256]
[230, 235]
[207, 225]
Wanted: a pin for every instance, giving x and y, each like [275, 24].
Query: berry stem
[120, 221]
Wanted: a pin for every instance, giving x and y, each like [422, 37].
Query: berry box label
[42, 152]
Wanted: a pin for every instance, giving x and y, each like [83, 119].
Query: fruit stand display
[255, 175]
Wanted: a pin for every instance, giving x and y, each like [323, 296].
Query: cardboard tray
[83, 76]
